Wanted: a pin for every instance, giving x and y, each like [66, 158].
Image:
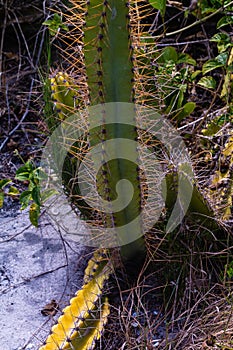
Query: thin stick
[2, 41]
[181, 30]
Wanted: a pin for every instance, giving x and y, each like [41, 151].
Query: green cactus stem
[106, 61]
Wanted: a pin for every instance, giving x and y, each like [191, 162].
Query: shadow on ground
[35, 267]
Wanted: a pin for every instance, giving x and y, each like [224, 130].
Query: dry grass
[180, 301]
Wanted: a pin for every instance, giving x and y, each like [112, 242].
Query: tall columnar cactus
[104, 32]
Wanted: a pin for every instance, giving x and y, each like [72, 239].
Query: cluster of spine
[82, 322]
[89, 41]
[101, 38]
[143, 55]
[73, 42]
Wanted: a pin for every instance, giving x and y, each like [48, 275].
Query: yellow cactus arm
[76, 324]
[87, 335]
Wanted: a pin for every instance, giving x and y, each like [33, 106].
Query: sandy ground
[36, 266]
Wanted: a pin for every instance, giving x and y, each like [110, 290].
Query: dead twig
[31, 278]
[2, 42]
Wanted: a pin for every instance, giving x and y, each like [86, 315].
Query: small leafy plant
[224, 61]
[173, 78]
[55, 25]
[32, 197]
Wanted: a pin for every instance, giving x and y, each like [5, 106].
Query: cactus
[82, 321]
[103, 30]
[107, 61]
[64, 94]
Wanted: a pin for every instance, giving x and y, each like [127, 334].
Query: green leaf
[25, 198]
[27, 167]
[55, 24]
[159, 5]
[227, 85]
[1, 198]
[223, 41]
[187, 109]
[13, 191]
[211, 65]
[4, 182]
[225, 21]
[207, 82]
[34, 177]
[22, 176]
[211, 129]
[31, 185]
[186, 58]
[222, 47]
[222, 58]
[23, 173]
[195, 74]
[36, 195]
[223, 37]
[34, 213]
[181, 96]
[168, 54]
